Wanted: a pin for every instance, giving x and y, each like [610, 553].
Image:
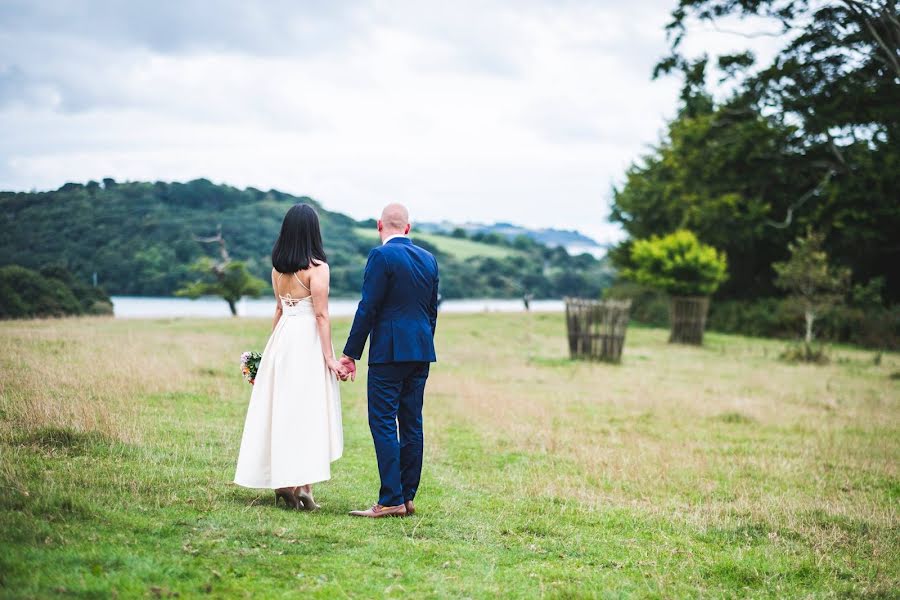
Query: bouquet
[249, 365]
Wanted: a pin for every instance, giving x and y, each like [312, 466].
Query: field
[461, 249]
[715, 471]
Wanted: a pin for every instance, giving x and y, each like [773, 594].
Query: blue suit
[398, 313]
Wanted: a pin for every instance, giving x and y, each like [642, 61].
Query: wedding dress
[293, 429]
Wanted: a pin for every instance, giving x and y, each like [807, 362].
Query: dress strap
[297, 277]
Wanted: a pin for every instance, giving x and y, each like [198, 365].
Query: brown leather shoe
[377, 511]
[410, 507]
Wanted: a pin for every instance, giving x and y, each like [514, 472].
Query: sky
[525, 111]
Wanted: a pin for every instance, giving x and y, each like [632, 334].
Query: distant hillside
[140, 239]
[573, 241]
[461, 249]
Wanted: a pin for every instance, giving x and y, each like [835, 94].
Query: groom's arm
[433, 308]
[373, 292]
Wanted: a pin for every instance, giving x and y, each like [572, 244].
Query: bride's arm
[278, 309]
[318, 286]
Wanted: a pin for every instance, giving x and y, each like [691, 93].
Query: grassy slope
[459, 248]
[685, 471]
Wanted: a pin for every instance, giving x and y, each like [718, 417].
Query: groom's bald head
[394, 220]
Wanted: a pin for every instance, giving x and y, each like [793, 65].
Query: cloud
[520, 111]
[15, 88]
[274, 27]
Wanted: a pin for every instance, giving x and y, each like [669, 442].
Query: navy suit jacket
[398, 310]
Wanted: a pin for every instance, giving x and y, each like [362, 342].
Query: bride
[293, 431]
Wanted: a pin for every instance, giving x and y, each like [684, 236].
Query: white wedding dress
[293, 429]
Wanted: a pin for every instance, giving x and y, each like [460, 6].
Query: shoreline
[155, 307]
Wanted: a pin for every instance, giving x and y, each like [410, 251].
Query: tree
[812, 283]
[836, 80]
[227, 278]
[678, 264]
[837, 74]
[231, 281]
[723, 176]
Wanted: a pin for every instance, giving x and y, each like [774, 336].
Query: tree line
[141, 238]
[809, 142]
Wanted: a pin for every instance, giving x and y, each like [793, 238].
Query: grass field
[461, 249]
[714, 472]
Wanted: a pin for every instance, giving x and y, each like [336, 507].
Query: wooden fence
[597, 328]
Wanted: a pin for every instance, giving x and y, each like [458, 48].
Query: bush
[93, 300]
[766, 317]
[803, 352]
[872, 326]
[678, 264]
[25, 293]
[51, 293]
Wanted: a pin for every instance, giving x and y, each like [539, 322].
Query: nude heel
[306, 499]
[290, 500]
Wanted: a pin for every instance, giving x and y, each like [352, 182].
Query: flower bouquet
[249, 365]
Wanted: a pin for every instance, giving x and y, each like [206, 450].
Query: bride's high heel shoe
[306, 499]
[290, 500]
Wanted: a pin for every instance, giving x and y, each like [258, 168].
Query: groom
[398, 312]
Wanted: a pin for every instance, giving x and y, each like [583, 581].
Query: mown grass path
[714, 471]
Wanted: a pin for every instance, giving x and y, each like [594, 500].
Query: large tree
[810, 139]
[724, 175]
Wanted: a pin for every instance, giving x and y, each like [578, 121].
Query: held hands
[350, 365]
[338, 368]
[343, 369]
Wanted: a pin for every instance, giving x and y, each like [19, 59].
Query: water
[141, 307]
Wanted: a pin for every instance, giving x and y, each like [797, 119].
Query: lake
[142, 307]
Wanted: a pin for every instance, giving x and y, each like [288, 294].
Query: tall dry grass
[714, 471]
[92, 375]
[702, 434]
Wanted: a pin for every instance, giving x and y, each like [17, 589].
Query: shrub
[678, 264]
[93, 300]
[872, 326]
[25, 293]
[805, 352]
[765, 317]
[53, 292]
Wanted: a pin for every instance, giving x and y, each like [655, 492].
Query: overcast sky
[525, 111]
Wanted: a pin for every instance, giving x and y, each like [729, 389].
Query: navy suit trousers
[396, 391]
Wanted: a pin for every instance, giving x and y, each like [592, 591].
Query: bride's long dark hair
[299, 245]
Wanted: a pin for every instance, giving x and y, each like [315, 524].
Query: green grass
[715, 471]
[461, 249]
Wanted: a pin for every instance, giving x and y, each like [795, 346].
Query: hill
[140, 238]
[573, 241]
[458, 248]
